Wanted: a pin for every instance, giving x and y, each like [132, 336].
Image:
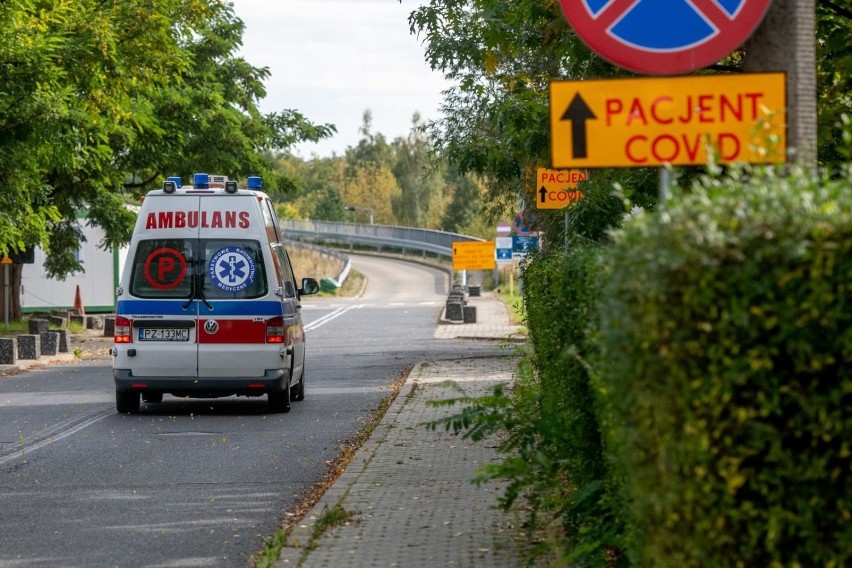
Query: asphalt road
[202, 482]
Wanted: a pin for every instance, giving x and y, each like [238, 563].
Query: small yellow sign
[6, 260]
[474, 255]
[557, 188]
[668, 120]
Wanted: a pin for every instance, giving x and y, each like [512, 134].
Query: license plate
[158, 334]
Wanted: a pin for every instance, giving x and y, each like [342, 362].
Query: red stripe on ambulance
[232, 331]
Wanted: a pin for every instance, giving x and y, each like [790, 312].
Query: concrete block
[59, 321]
[49, 343]
[474, 290]
[109, 326]
[8, 351]
[469, 314]
[454, 311]
[29, 346]
[64, 342]
[38, 325]
[94, 322]
[77, 320]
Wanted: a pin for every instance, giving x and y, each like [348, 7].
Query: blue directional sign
[664, 37]
[521, 245]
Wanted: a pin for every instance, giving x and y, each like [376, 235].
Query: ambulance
[208, 305]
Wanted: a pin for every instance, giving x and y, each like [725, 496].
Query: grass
[22, 327]
[515, 303]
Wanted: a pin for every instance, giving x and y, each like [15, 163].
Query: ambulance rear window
[162, 269]
[218, 268]
[233, 269]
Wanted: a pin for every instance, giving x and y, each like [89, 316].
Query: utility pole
[786, 41]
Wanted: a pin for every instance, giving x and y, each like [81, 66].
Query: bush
[570, 482]
[726, 370]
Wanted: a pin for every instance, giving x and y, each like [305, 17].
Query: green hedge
[726, 369]
[571, 482]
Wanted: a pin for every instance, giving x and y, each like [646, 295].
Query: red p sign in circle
[165, 268]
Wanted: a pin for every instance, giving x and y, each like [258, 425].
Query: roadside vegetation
[684, 397]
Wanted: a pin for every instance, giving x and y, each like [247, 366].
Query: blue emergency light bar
[175, 179]
[200, 181]
[254, 182]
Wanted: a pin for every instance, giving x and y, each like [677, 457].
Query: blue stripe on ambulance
[220, 308]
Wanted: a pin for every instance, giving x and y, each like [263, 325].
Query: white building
[97, 283]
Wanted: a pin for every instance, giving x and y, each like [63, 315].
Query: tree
[785, 41]
[465, 203]
[501, 57]
[330, 206]
[418, 177]
[368, 177]
[101, 98]
[834, 78]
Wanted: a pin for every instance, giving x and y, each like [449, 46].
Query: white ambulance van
[208, 305]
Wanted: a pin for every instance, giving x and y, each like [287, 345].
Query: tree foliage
[834, 77]
[102, 97]
[502, 57]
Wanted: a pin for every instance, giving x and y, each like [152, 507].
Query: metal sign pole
[665, 181]
[6, 296]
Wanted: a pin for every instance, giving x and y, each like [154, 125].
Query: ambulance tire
[297, 391]
[279, 401]
[127, 402]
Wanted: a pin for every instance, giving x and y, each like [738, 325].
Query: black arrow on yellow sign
[578, 112]
[542, 194]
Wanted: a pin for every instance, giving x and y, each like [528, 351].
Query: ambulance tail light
[122, 330]
[275, 330]
[254, 182]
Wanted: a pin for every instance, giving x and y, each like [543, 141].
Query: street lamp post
[354, 208]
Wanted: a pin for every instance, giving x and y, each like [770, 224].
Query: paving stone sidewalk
[408, 492]
[409, 489]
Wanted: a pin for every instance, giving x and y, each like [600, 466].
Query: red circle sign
[664, 37]
[165, 268]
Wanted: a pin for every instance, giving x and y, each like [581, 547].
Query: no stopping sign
[664, 37]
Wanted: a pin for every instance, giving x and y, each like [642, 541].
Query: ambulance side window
[162, 268]
[285, 272]
[232, 269]
[271, 221]
[276, 222]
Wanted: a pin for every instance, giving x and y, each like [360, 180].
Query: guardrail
[351, 234]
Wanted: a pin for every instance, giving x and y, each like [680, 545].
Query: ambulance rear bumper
[273, 380]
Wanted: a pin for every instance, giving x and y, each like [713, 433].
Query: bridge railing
[379, 236]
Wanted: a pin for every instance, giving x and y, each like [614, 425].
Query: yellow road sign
[557, 188]
[474, 255]
[668, 120]
[6, 260]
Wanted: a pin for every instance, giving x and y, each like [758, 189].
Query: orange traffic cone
[78, 303]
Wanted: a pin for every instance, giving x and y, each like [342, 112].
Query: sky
[333, 59]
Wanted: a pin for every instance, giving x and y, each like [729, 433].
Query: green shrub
[570, 481]
[726, 368]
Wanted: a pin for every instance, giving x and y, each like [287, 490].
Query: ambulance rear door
[237, 304]
[161, 302]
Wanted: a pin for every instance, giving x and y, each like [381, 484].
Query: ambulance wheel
[127, 402]
[279, 401]
[297, 391]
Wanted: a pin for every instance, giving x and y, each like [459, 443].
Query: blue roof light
[200, 181]
[175, 179]
[254, 182]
